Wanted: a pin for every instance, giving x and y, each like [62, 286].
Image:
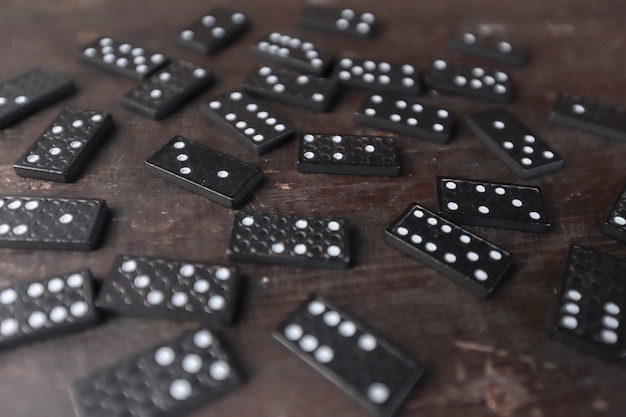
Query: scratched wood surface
[484, 358]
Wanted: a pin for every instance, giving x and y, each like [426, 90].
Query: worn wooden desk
[484, 358]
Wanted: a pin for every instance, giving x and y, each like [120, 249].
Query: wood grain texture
[484, 358]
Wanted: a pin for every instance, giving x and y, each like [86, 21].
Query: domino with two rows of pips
[295, 52]
[380, 76]
[492, 204]
[591, 304]
[166, 91]
[50, 223]
[591, 115]
[61, 150]
[214, 30]
[490, 44]
[470, 81]
[347, 154]
[44, 308]
[288, 86]
[171, 289]
[290, 240]
[467, 259]
[362, 363]
[338, 20]
[250, 122]
[526, 154]
[615, 223]
[212, 174]
[408, 116]
[29, 92]
[166, 380]
[122, 58]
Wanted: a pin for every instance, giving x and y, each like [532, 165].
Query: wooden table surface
[483, 357]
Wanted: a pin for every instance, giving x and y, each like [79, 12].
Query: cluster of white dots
[337, 156]
[402, 105]
[19, 100]
[278, 87]
[481, 78]
[527, 147]
[186, 170]
[209, 21]
[178, 299]
[137, 55]
[376, 392]
[22, 229]
[482, 209]
[365, 72]
[282, 45]
[165, 77]
[363, 26]
[610, 322]
[192, 363]
[502, 46]
[244, 126]
[448, 257]
[38, 319]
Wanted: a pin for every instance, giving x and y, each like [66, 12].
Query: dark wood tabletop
[489, 357]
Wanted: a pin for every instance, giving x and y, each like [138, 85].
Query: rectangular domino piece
[214, 175]
[407, 116]
[44, 308]
[476, 82]
[615, 223]
[467, 259]
[29, 92]
[347, 154]
[586, 114]
[499, 47]
[122, 58]
[166, 380]
[291, 87]
[492, 204]
[526, 154]
[250, 122]
[290, 240]
[295, 52]
[338, 20]
[355, 358]
[50, 222]
[60, 152]
[377, 76]
[171, 289]
[214, 30]
[166, 91]
[592, 303]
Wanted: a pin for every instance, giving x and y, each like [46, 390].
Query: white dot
[432, 221]
[35, 290]
[483, 209]
[417, 239]
[187, 270]
[278, 247]
[347, 329]
[301, 224]
[9, 327]
[378, 393]
[155, 297]
[75, 144]
[504, 47]
[611, 308]
[498, 124]
[164, 356]
[185, 170]
[449, 257]
[316, 308]
[203, 339]
[507, 145]
[526, 161]
[165, 76]
[338, 156]
[578, 109]
[219, 370]
[179, 145]
[573, 295]
[324, 354]
[293, 332]
[534, 215]
[500, 191]
[333, 251]
[469, 38]
[222, 273]
[182, 157]
[440, 64]
[54, 151]
[55, 285]
[208, 20]
[332, 318]
[431, 247]
[548, 154]
[201, 286]
[37, 319]
[21, 100]
[192, 363]
[33, 158]
[529, 139]
[300, 249]
[446, 228]
[610, 322]
[465, 239]
[58, 314]
[334, 226]
[179, 299]
[367, 342]
[619, 220]
[528, 149]
[571, 308]
[79, 309]
[438, 127]
[608, 336]
[308, 343]
[129, 266]
[369, 148]
[480, 275]
[66, 218]
[8, 296]
[141, 281]
[247, 221]
[460, 80]
[472, 256]
[75, 280]
[199, 73]
[402, 231]
[57, 129]
[156, 93]
[180, 389]
[216, 302]
[495, 255]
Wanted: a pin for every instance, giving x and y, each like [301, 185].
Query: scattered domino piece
[60, 152]
[50, 222]
[248, 121]
[290, 240]
[462, 256]
[165, 92]
[492, 204]
[214, 30]
[377, 76]
[366, 366]
[348, 154]
[489, 44]
[590, 115]
[407, 116]
[295, 52]
[40, 309]
[167, 380]
[24, 95]
[214, 175]
[591, 303]
[338, 20]
[292, 87]
[153, 287]
[526, 154]
[122, 58]
[615, 223]
[476, 82]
